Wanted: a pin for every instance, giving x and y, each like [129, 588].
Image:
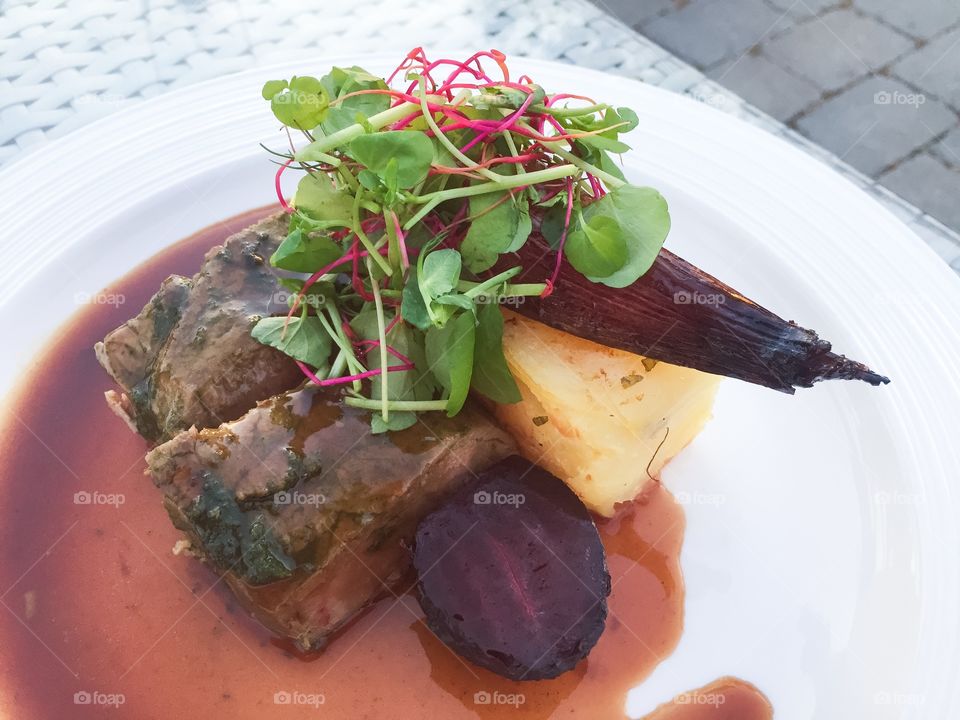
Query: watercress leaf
[370, 180]
[524, 227]
[630, 117]
[644, 221]
[491, 376]
[272, 87]
[551, 226]
[302, 252]
[457, 300]
[412, 305]
[440, 273]
[304, 340]
[318, 293]
[597, 248]
[398, 421]
[418, 383]
[318, 199]
[343, 81]
[493, 229]
[450, 358]
[412, 151]
[605, 143]
[415, 384]
[302, 104]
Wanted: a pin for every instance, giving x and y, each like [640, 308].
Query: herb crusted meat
[309, 515]
[188, 357]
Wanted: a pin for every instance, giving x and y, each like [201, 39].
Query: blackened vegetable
[679, 314]
[512, 573]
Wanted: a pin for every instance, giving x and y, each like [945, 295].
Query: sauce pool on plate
[100, 615]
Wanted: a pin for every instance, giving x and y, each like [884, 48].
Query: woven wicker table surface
[64, 63]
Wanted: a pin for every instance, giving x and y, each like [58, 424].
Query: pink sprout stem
[286, 207]
[551, 283]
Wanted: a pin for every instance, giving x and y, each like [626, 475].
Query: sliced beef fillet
[188, 357]
[307, 514]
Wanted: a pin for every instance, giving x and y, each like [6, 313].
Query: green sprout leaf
[499, 225]
[491, 376]
[300, 103]
[450, 357]
[304, 339]
[413, 308]
[317, 294]
[440, 273]
[300, 252]
[643, 218]
[343, 81]
[411, 151]
[319, 200]
[597, 249]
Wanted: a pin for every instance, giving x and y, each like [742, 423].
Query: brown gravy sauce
[99, 619]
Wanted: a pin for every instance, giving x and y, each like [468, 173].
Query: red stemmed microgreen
[416, 191]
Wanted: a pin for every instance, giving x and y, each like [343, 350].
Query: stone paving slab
[705, 32]
[948, 150]
[876, 123]
[769, 87]
[935, 68]
[922, 19]
[805, 8]
[925, 178]
[836, 48]
[816, 65]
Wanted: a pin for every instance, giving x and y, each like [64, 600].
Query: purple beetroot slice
[512, 574]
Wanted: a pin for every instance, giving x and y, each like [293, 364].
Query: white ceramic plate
[822, 554]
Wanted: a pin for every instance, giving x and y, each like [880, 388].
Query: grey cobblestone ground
[876, 82]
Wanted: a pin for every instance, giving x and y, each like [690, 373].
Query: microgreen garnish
[416, 191]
